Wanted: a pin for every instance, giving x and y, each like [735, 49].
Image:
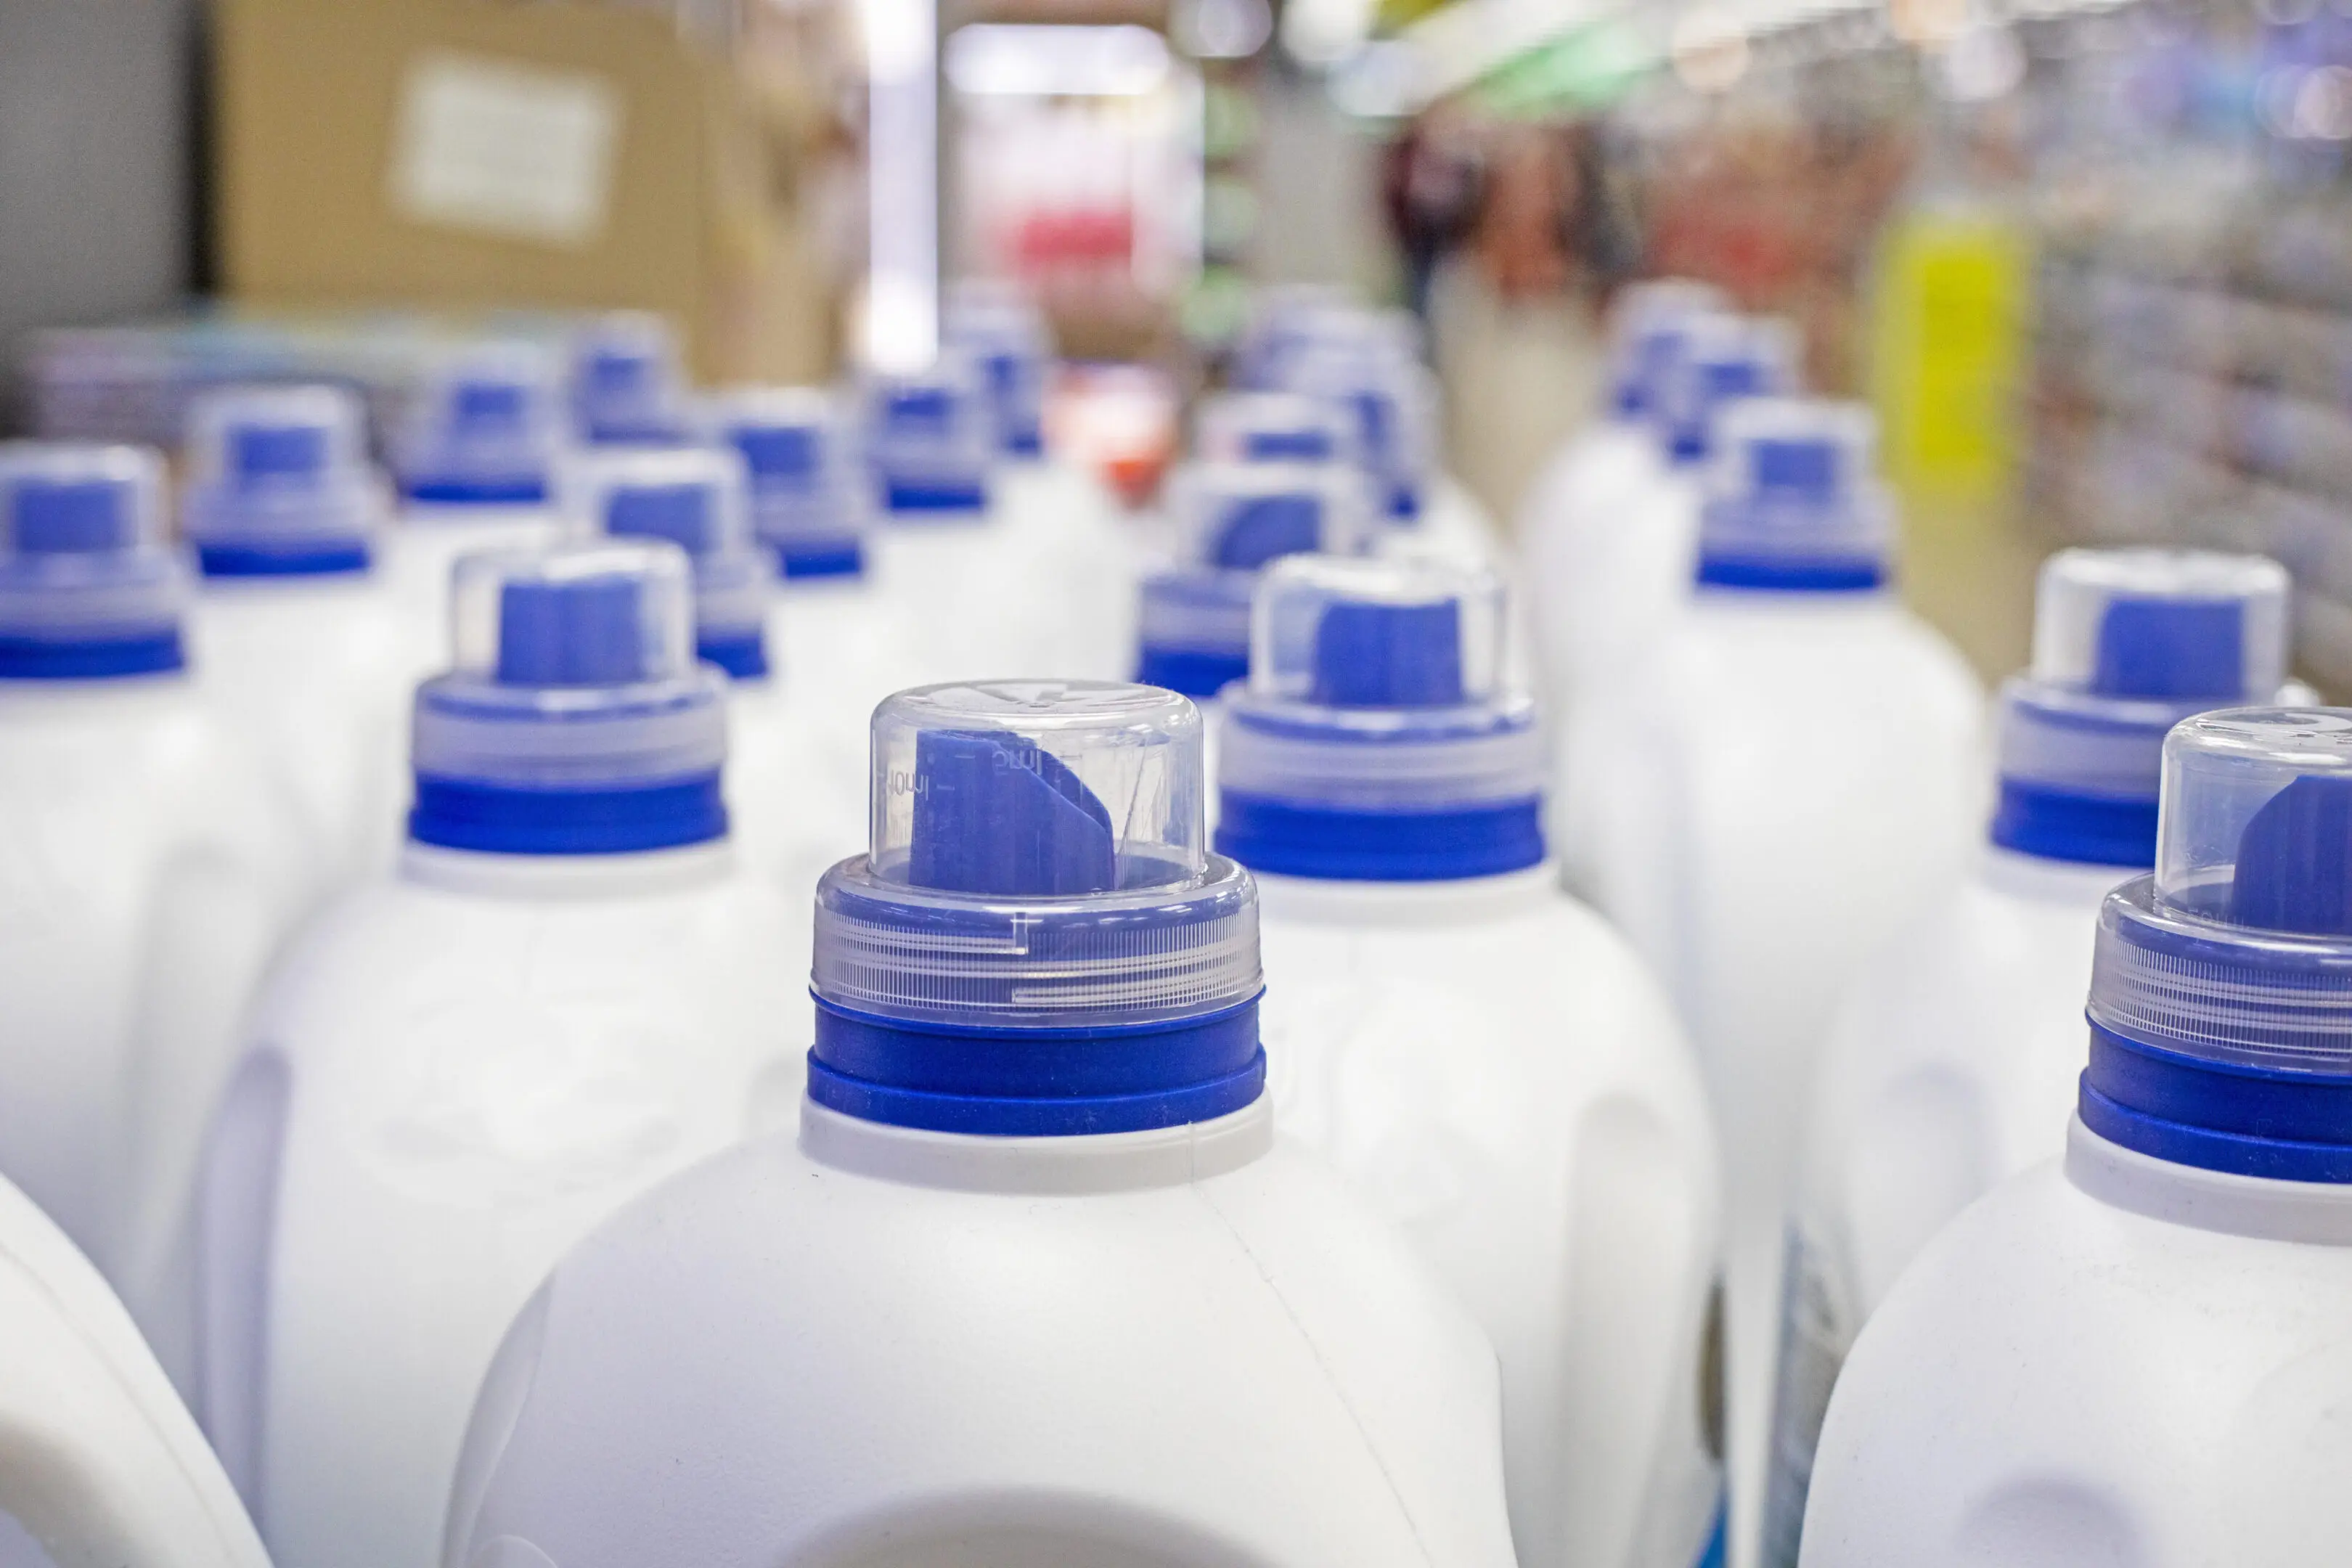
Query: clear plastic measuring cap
[1271, 427]
[2238, 950]
[571, 669]
[485, 429]
[1037, 857]
[626, 388]
[693, 497]
[1647, 332]
[87, 587]
[1793, 498]
[1008, 339]
[278, 480]
[809, 494]
[2170, 625]
[2125, 644]
[1391, 399]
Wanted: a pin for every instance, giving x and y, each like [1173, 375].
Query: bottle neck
[546, 877]
[2317, 1214]
[1053, 1166]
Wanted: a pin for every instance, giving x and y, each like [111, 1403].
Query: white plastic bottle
[627, 387]
[1955, 1055]
[1616, 576]
[1793, 771]
[100, 1462]
[1037, 1283]
[476, 457]
[793, 809]
[2139, 1354]
[1578, 498]
[565, 991]
[1486, 1061]
[1271, 427]
[297, 633]
[148, 865]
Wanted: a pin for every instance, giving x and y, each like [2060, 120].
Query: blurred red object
[1122, 421]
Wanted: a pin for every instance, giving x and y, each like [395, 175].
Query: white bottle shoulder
[1246, 1359]
[2062, 1376]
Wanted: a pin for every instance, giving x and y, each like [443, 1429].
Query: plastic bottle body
[456, 1072]
[314, 673]
[2128, 1362]
[151, 867]
[1952, 1066]
[1181, 1346]
[1792, 776]
[1577, 495]
[100, 1461]
[792, 795]
[1493, 1070]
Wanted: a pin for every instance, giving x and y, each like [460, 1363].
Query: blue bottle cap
[1723, 358]
[626, 388]
[1793, 503]
[1376, 739]
[485, 429]
[1007, 337]
[89, 589]
[575, 718]
[931, 436]
[279, 482]
[811, 498]
[1038, 942]
[2126, 643]
[2221, 1000]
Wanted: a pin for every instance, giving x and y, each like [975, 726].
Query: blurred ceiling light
[1223, 29]
[1710, 48]
[1982, 64]
[1051, 60]
[1325, 32]
[1387, 79]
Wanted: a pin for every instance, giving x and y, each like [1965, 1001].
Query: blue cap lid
[2222, 994]
[485, 429]
[1038, 942]
[1376, 739]
[2126, 643]
[694, 497]
[279, 483]
[1372, 375]
[811, 498]
[1008, 338]
[930, 435]
[89, 589]
[1651, 322]
[1793, 503]
[626, 386]
[575, 718]
[1722, 359]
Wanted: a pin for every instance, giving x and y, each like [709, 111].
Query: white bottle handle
[98, 1459]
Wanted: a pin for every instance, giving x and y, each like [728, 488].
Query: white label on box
[511, 150]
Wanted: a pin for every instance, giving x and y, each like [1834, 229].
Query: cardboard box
[495, 152]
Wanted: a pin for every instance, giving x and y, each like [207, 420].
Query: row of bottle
[1769, 781]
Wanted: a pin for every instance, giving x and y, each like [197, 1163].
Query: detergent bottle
[566, 989]
[100, 1462]
[793, 809]
[1272, 427]
[475, 456]
[148, 865]
[1795, 771]
[1036, 1283]
[1485, 1059]
[1580, 497]
[1956, 1053]
[297, 634]
[2138, 1352]
[626, 388]
[1614, 576]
